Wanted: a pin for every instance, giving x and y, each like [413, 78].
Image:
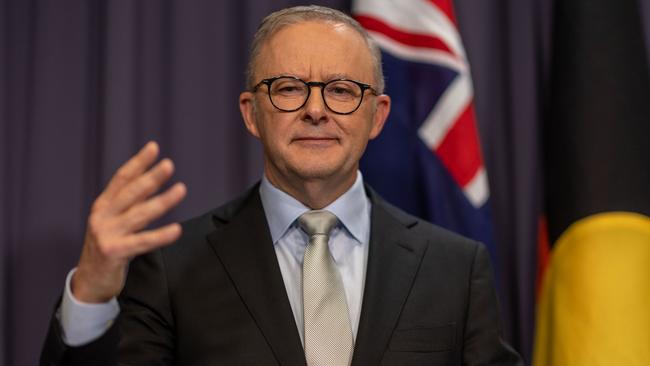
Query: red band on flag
[460, 150]
[409, 39]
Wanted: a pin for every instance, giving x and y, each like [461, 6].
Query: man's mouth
[315, 141]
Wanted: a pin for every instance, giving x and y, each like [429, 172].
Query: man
[308, 267]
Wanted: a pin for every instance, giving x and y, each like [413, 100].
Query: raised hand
[115, 226]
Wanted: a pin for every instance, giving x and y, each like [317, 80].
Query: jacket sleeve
[141, 335]
[101, 352]
[483, 339]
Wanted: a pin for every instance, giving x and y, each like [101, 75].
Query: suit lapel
[393, 260]
[244, 247]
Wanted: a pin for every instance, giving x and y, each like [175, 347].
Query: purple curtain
[84, 83]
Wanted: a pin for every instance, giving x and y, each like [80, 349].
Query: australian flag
[428, 158]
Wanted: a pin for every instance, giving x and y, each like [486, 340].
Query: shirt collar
[352, 209]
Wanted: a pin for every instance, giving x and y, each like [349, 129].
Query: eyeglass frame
[311, 84]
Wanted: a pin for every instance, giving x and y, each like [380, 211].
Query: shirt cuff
[83, 322]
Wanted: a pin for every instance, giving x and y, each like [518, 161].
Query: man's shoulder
[200, 226]
[436, 235]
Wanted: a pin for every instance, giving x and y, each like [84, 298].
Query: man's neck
[314, 193]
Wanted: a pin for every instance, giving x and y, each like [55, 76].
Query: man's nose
[315, 110]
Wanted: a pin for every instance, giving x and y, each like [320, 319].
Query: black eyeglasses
[289, 93]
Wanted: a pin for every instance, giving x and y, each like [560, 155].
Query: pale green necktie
[328, 336]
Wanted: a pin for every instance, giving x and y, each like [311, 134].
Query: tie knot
[317, 222]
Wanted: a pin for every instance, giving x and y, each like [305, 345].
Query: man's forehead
[316, 50]
[315, 24]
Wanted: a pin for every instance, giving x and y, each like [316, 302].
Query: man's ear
[382, 109]
[247, 109]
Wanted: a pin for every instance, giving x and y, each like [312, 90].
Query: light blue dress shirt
[82, 323]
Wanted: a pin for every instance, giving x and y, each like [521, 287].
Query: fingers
[128, 204]
[141, 187]
[132, 169]
[140, 215]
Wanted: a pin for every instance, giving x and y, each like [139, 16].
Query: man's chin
[311, 173]
[321, 172]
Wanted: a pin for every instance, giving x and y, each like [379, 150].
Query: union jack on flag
[428, 158]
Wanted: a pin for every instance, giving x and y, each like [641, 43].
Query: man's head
[299, 14]
[312, 150]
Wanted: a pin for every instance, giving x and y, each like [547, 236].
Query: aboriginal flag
[594, 305]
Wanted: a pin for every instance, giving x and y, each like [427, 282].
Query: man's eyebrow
[329, 77]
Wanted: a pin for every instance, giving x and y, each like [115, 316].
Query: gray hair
[276, 21]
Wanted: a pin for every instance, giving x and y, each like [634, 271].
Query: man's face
[314, 143]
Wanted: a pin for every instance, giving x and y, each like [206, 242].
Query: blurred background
[561, 96]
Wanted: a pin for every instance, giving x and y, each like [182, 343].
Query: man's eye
[340, 90]
[288, 89]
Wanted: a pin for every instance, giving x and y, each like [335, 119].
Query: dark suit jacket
[217, 297]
